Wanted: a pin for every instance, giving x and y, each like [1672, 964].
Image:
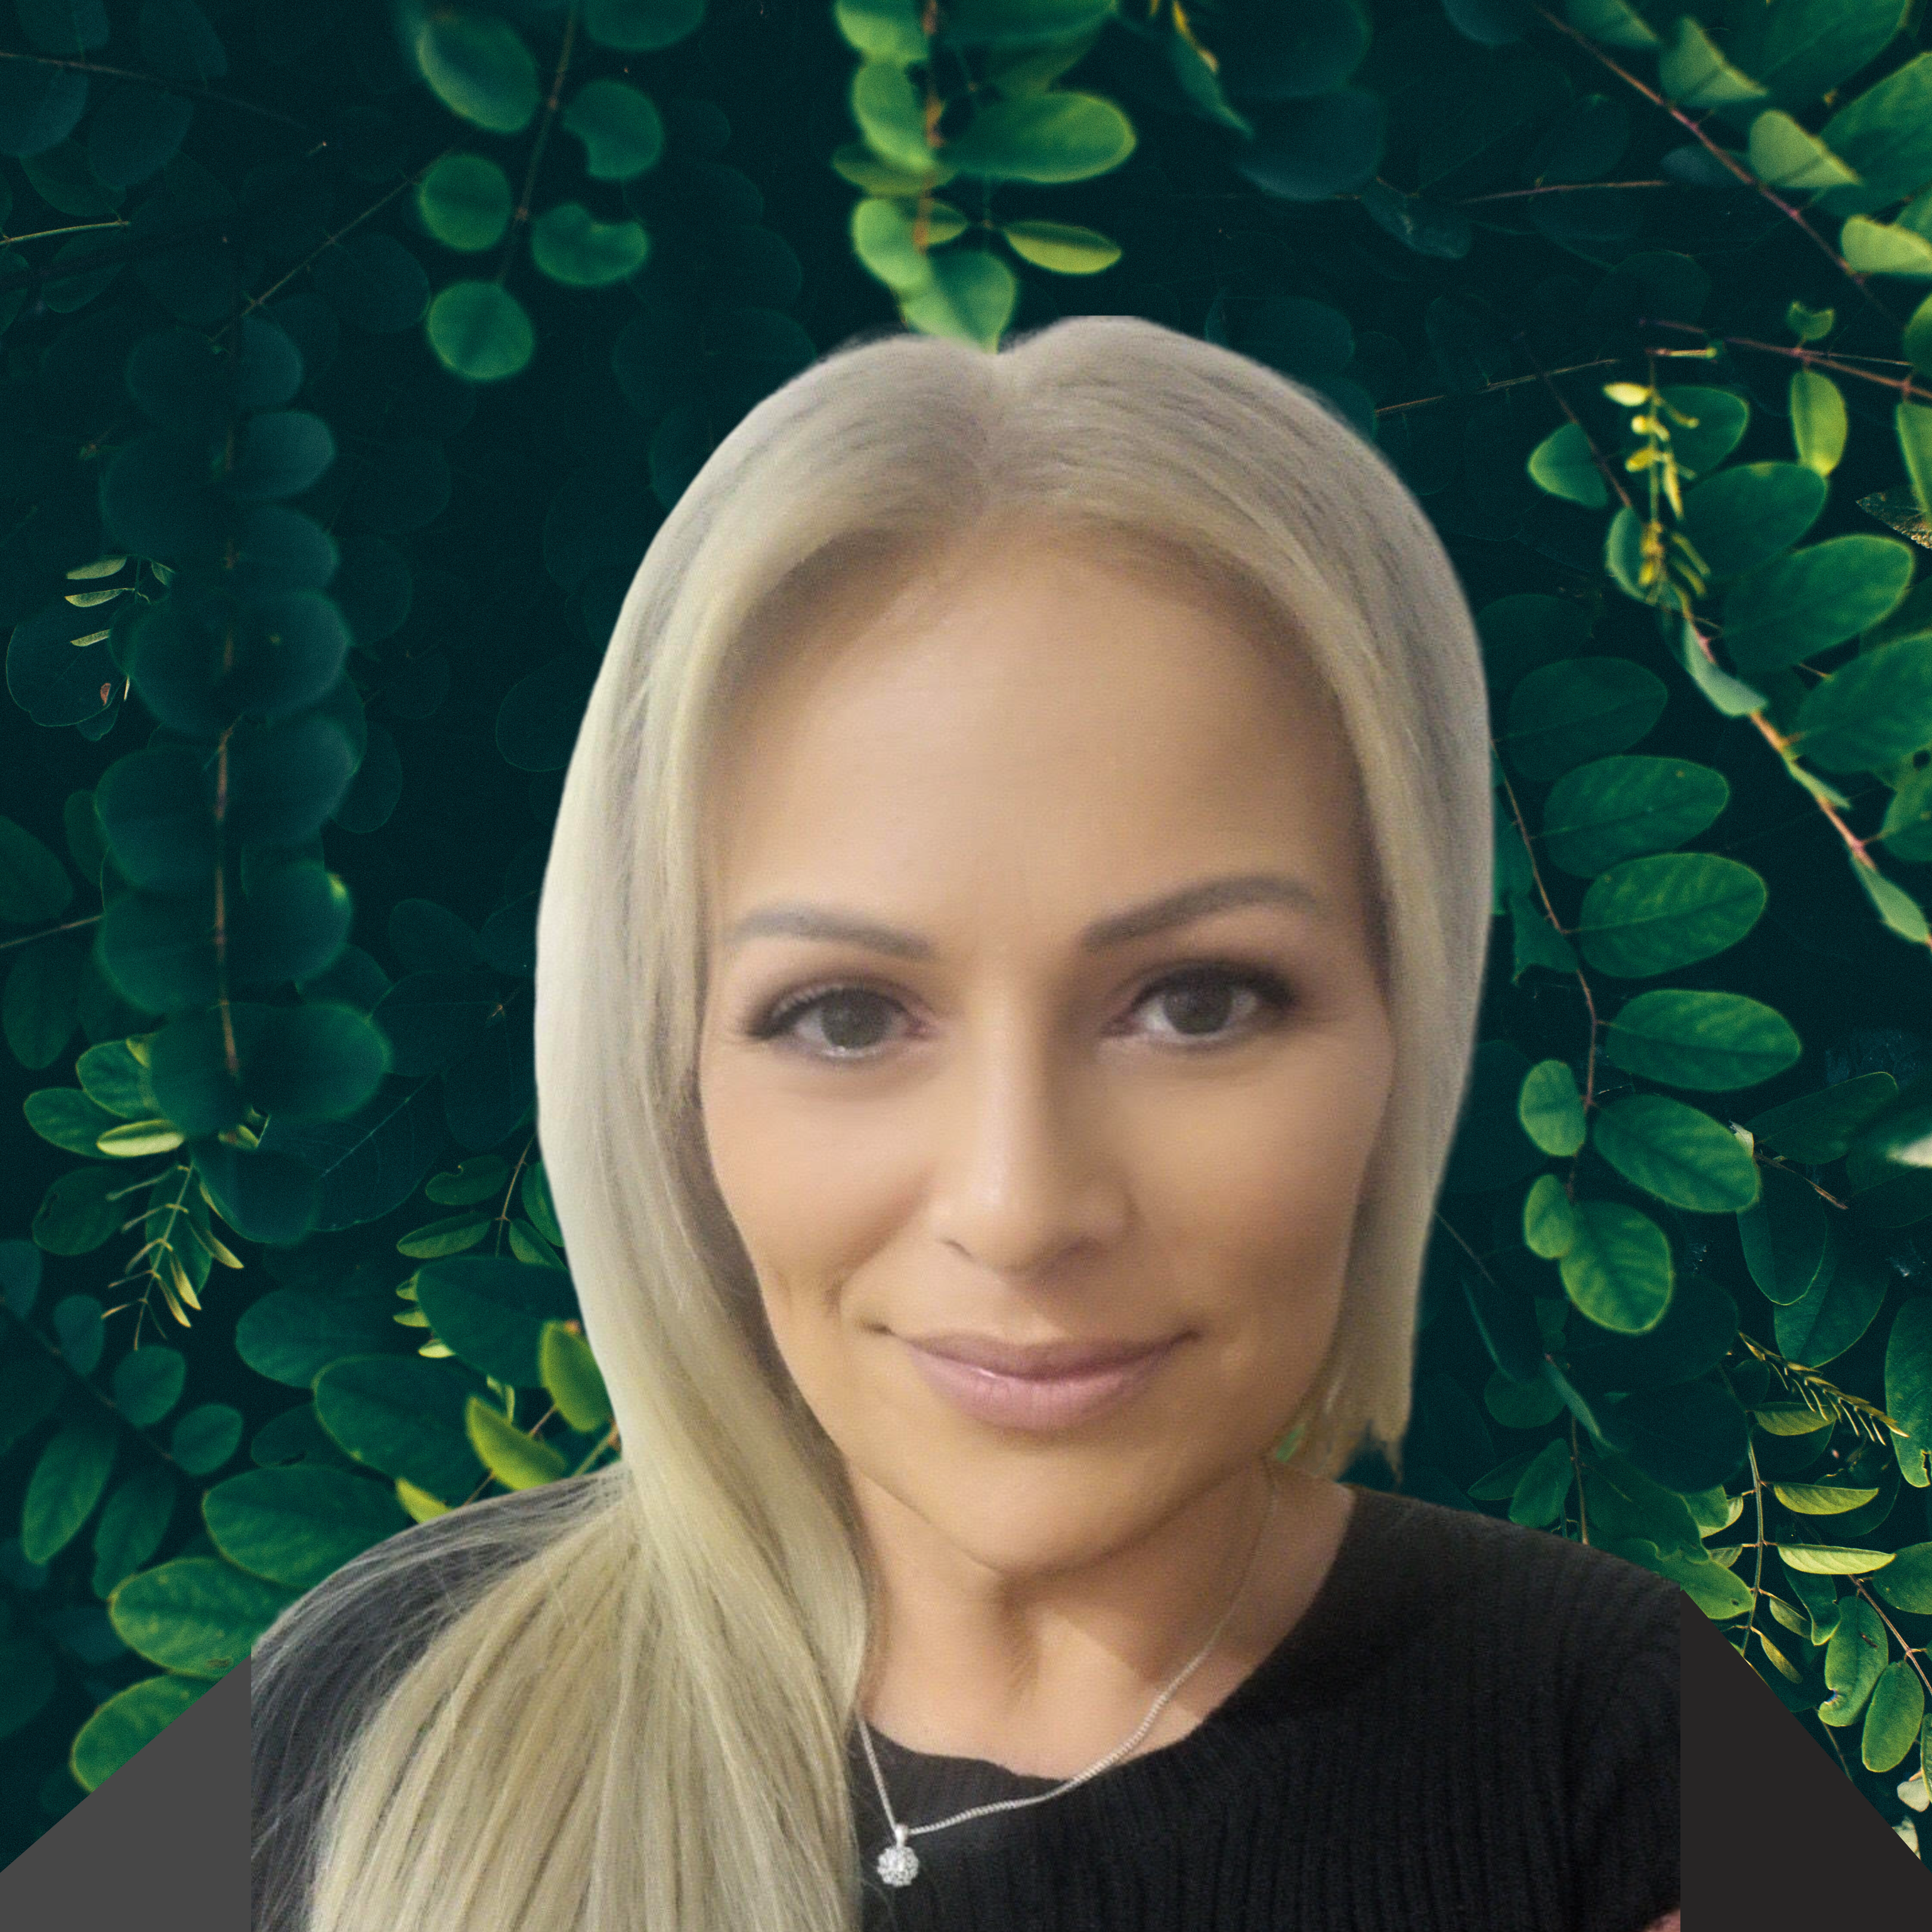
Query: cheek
[811, 1189]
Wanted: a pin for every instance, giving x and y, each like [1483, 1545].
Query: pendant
[898, 1863]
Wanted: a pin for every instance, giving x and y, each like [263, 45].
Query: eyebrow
[1172, 909]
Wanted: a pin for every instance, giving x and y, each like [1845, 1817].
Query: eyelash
[775, 1021]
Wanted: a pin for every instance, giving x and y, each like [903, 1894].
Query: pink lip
[1035, 1401]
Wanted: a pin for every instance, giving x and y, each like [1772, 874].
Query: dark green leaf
[296, 1526]
[1708, 1041]
[1617, 808]
[197, 1614]
[1563, 714]
[1651, 915]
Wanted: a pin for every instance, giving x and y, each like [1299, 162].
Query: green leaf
[34, 886]
[68, 1480]
[1893, 1717]
[971, 297]
[1544, 1487]
[1908, 1368]
[1057, 136]
[1717, 421]
[1884, 248]
[1820, 1127]
[1886, 134]
[205, 1436]
[1063, 246]
[1618, 1268]
[131, 1527]
[1562, 714]
[882, 30]
[1829, 1560]
[1614, 22]
[147, 1383]
[198, 1614]
[620, 127]
[479, 332]
[1906, 1581]
[855, 162]
[465, 201]
[517, 1461]
[641, 26]
[1784, 155]
[1693, 1436]
[1914, 423]
[1535, 941]
[1798, 605]
[1728, 694]
[1783, 1235]
[1791, 1418]
[1616, 807]
[571, 246]
[1854, 1657]
[891, 114]
[1652, 915]
[1873, 711]
[1708, 1584]
[491, 1311]
[1809, 325]
[1820, 1499]
[572, 1379]
[1801, 48]
[1562, 465]
[290, 1335]
[1833, 1312]
[479, 67]
[1918, 340]
[1746, 514]
[1020, 22]
[1698, 1331]
[127, 1723]
[1551, 1108]
[1692, 73]
[1676, 1152]
[1548, 1221]
[298, 1525]
[1818, 422]
[403, 1416]
[1709, 1042]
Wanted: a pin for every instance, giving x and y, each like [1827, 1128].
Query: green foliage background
[353, 352]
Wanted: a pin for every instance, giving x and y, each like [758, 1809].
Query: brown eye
[850, 1021]
[1207, 1004]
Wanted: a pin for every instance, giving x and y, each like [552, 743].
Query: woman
[1006, 973]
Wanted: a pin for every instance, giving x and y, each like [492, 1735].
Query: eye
[1204, 1006]
[1200, 1003]
[848, 1019]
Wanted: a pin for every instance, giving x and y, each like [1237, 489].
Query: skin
[1017, 1136]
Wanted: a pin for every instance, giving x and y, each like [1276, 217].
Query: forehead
[1054, 689]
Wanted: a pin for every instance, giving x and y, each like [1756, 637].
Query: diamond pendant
[898, 1863]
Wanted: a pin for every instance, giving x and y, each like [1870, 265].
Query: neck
[1043, 1668]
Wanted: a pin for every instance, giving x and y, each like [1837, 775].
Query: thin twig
[1723, 155]
[184, 88]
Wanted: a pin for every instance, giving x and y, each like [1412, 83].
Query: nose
[1025, 1174]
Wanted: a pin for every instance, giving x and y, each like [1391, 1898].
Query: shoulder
[1526, 1603]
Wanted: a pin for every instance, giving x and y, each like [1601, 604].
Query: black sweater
[1474, 1728]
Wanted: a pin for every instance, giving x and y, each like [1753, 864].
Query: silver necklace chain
[898, 1863]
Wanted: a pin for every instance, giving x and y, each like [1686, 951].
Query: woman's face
[991, 1048]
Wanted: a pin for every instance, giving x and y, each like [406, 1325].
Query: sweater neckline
[1325, 1649]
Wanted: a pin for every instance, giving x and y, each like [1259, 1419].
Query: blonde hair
[642, 1720]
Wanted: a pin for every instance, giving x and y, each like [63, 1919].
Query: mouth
[1047, 1386]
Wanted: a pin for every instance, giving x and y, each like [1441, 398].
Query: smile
[1038, 1401]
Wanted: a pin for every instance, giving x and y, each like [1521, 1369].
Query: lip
[1051, 1386]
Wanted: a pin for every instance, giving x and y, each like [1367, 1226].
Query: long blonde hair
[642, 1721]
